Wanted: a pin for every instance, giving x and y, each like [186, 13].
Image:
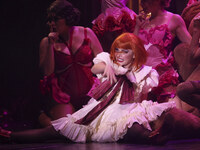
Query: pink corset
[159, 35]
[161, 39]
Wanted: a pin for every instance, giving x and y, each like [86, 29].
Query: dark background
[22, 26]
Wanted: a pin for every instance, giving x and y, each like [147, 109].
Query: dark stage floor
[173, 145]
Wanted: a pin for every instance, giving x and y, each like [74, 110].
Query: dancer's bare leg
[172, 125]
[137, 134]
[179, 124]
[190, 92]
[57, 111]
[35, 135]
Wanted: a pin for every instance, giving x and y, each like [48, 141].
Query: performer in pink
[118, 109]
[66, 59]
[157, 28]
[115, 19]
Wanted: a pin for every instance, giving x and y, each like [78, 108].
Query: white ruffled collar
[142, 73]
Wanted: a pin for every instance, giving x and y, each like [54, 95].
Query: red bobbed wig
[130, 41]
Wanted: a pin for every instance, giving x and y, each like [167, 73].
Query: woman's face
[124, 57]
[57, 24]
[150, 5]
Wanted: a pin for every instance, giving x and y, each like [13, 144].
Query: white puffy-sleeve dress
[112, 123]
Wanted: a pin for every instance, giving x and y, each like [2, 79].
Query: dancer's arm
[180, 29]
[194, 45]
[106, 70]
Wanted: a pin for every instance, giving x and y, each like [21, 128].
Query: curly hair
[64, 9]
[130, 41]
